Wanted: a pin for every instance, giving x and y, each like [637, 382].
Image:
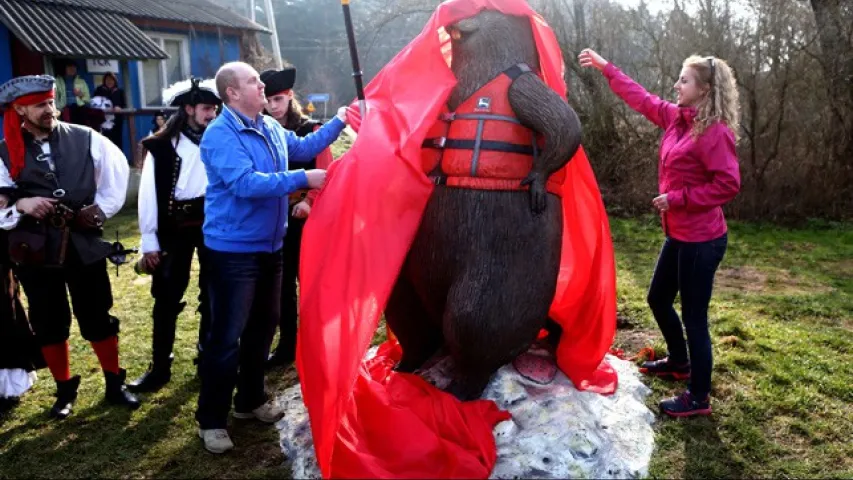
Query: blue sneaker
[686, 405]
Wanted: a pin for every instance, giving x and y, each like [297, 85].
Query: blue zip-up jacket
[245, 208]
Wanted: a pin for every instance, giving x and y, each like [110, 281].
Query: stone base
[556, 431]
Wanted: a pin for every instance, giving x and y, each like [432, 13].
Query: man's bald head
[227, 76]
[239, 86]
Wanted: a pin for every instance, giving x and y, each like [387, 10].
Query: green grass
[159, 439]
[781, 320]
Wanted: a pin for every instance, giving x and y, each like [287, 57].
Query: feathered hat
[192, 92]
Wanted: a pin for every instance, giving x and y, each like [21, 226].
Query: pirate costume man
[171, 213]
[62, 182]
[278, 82]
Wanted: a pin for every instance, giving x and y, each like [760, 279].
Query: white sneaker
[216, 440]
[267, 413]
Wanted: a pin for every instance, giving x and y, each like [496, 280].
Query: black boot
[117, 393]
[159, 373]
[66, 394]
[153, 379]
[280, 357]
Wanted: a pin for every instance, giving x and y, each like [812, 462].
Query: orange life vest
[483, 145]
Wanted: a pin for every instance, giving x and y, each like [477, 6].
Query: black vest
[167, 168]
[303, 131]
[70, 151]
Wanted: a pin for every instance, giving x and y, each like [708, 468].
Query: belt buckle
[58, 221]
[186, 208]
[439, 142]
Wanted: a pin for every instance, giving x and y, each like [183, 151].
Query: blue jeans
[244, 293]
[688, 268]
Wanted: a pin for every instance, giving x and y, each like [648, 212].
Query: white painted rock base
[556, 431]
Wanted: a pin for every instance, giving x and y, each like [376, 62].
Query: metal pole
[353, 52]
[252, 9]
[130, 120]
[276, 48]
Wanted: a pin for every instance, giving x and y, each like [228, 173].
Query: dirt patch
[632, 341]
[798, 246]
[753, 280]
[842, 268]
[790, 433]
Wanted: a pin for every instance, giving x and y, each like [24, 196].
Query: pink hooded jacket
[699, 175]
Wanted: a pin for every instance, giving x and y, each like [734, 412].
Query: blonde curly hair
[721, 102]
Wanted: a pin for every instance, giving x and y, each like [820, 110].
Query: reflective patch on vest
[484, 104]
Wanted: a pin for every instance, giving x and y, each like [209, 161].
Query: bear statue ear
[468, 25]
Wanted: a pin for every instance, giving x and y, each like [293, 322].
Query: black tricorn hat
[277, 81]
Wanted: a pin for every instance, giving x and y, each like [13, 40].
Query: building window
[155, 75]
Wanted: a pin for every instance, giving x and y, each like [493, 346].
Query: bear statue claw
[538, 193]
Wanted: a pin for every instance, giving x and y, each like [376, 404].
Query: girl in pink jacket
[698, 173]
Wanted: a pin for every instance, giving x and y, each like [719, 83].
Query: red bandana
[12, 129]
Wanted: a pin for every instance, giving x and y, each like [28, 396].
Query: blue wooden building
[147, 44]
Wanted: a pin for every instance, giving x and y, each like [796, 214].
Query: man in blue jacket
[246, 156]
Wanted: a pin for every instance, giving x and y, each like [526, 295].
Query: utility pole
[276, 48]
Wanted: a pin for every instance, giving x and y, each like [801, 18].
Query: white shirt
[111, 175]
[192, 183]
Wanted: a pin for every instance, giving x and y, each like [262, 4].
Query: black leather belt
[187, 213]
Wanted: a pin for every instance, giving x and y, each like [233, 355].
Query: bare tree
[835, 23]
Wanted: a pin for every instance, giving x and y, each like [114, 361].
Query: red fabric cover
[12, 129]
[367, 421]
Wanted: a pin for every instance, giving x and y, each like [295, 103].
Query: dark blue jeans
[688, 268]
[244, 291]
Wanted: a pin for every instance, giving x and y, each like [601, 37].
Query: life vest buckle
[438, 142]
[448, 117]
[438, 180]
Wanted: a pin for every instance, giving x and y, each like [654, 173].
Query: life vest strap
[443, 143]
[488, 183]
[450, 117]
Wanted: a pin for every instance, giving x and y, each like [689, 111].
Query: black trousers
[91, 299]
[687, 268]
[169, 285]
[289, 297]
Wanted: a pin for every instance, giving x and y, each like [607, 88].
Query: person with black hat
[61, 182]
[171, 213]
[283, 106]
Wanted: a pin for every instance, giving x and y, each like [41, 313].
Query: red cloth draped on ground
[367, 421]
